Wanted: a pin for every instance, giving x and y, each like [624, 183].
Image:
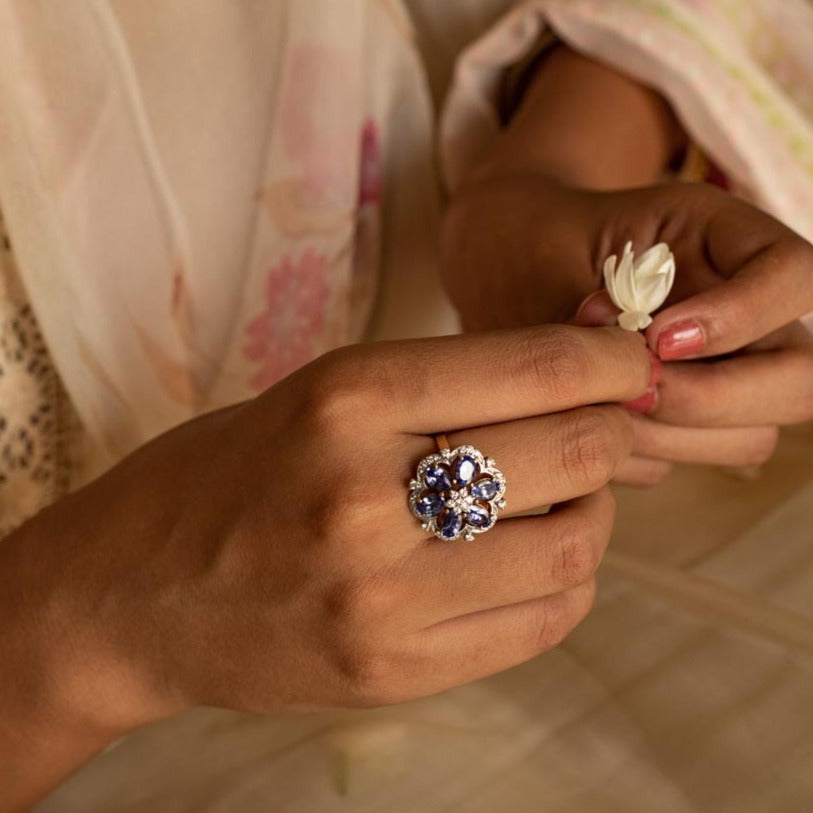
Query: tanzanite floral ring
[456, 493]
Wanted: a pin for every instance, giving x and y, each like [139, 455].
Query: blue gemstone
[451, 524]
[485, 490]
[464, 470]
[478, 517]
[437, 478]
[430, 505]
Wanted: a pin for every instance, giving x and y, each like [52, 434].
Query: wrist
[71, 688]
[585, 124]
[50, 724]
[71, 669]
[517, 232]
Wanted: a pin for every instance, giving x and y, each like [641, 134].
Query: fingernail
[644, 404]
[657, 370]
[585, 302]
[596, 310]
[679, 341]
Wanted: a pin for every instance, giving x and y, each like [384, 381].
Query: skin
[570, 180]
[263, 557]
[185, 577]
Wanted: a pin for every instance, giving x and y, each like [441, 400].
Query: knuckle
[592, 447]
[577, 553]
[555, 359]
[344, 512]
[344, 388]
[360, 604]
[804, 406]
[762, 446]
[796, 252]
[553, 628]
[331, 404]
[585, 601]
[361, 645]
[654, 475]
[370, 677]
[804, 401]
[558, 622]
[606, 506]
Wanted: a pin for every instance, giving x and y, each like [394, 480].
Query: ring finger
[551, 458]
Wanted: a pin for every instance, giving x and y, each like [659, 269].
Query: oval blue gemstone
[485, 490]
[430, 505]
[478, 517]
[464, 470]
[451, 524]
[437, 478]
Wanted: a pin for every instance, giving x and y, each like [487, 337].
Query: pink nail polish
[657, 370]
[681, 340]
[644, 404]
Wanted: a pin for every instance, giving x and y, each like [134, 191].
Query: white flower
[639, 287]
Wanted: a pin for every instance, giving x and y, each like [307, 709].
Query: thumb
[773, 289]
[596, 310]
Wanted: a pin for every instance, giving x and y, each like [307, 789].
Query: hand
[264, 558]
[743, 281]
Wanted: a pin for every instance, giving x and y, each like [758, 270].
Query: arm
[580, 126]
[60, 703]
[586, 125]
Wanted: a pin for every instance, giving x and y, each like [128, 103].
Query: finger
[427, 386]
[597, 310]
[552, 458]
[642, 472]
[749, 390]
[772, 289]
[470, 647]
[518, 560]
[793, 335]
[747, 446]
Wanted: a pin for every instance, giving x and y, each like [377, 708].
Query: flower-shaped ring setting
[457, 493]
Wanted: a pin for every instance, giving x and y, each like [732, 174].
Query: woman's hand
[743, 281]
[264, 558]
[526, 236]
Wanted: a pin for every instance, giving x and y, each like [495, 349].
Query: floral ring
[457, 493]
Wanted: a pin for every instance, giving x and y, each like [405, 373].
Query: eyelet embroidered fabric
[36, 419]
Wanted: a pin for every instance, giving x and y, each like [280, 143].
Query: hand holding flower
[574, 177]
[742, 282]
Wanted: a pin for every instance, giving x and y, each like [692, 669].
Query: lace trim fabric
[36, 418]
